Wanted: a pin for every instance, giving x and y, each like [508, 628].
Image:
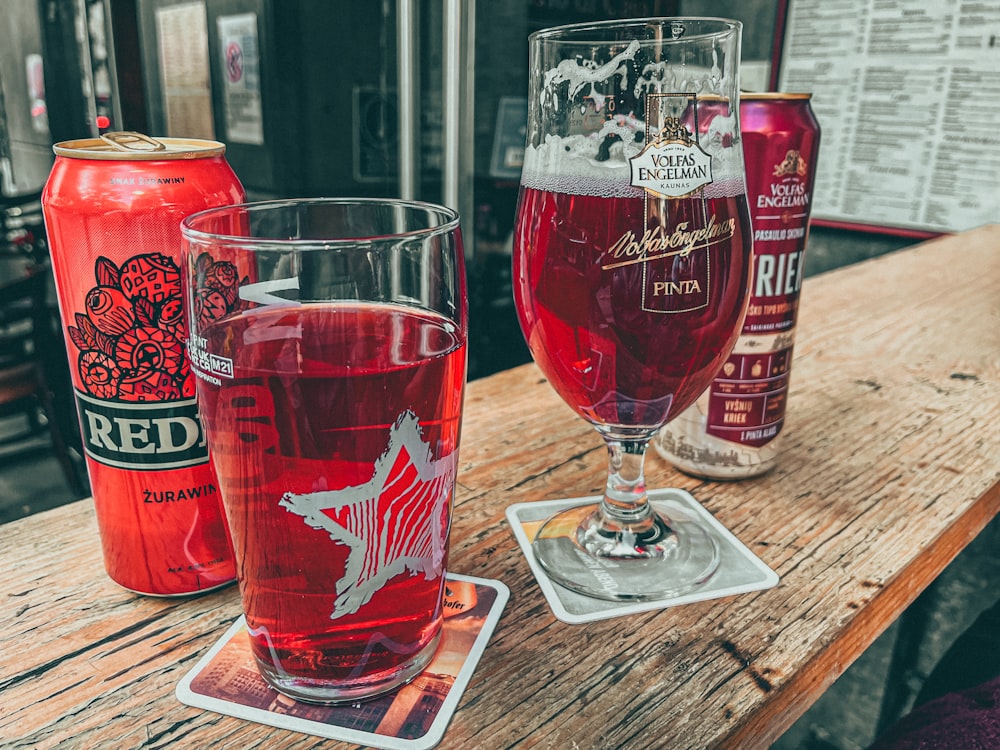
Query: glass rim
[575, 33]
[449, 222]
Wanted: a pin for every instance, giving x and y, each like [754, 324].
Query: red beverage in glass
[629, 306]
[631, 268]
[336, 445]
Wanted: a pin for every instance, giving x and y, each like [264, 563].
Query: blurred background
[411, 98]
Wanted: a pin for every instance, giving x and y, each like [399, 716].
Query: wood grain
[888, 470]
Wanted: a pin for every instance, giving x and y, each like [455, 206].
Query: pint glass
[329, 342]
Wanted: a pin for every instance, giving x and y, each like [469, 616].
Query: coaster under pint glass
[329, 342]
[632, 258]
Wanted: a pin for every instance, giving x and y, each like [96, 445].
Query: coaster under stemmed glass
[632, 257]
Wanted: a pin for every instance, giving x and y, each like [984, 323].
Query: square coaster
[740, 570]
[412, 717]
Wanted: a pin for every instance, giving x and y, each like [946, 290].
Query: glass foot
[676, 555]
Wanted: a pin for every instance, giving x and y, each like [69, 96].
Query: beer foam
[571, 165]
[650, 77]
[579, 73]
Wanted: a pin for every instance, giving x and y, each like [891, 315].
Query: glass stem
[625, 505]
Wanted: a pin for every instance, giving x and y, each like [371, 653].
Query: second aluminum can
[733, 430]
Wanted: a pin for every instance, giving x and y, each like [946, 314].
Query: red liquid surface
[316, 392]
[624, 340]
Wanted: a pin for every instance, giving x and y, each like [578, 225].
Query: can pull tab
[128, 140]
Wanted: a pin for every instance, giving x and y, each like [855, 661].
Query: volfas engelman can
[733, 430]
[113, 207]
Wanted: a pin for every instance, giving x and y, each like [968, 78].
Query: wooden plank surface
[889, 469]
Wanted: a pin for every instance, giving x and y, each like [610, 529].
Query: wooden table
[889, 469]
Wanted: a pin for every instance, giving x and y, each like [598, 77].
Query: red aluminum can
[733, 430]
[113, 207]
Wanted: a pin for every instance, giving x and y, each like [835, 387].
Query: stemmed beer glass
[632, 257]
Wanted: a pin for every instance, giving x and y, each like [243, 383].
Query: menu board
[182, 46]
[907, 95]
